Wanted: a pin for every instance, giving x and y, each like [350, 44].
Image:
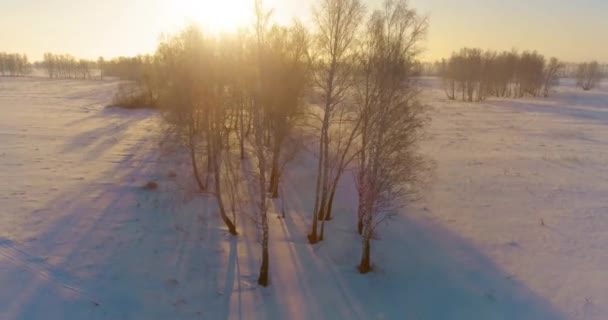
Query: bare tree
[194, 101]
[333, 68]
[66, 66]
[185, 100]
[13, 64]
[392, 118]
[218, 135]
[552, 71]
[241, 72]
[129, 68]
[474, 75]
[286, 78]
[259, 135]
[588, 75]
[530, 74]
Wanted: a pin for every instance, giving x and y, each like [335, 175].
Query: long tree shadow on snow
[134, 254]
[78, 227]
[97, 140]
[423, 271]
[575, 105]
[92, 259]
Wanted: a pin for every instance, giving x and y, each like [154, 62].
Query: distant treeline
[13, 64]
[126, 68]
[65, 66]
[474, 75]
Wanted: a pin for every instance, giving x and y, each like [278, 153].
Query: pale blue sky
[572, 30]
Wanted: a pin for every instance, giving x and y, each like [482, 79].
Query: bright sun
[212, 15]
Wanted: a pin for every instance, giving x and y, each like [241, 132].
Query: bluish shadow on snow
[136, 254]
[99, 139]
[572, 104]
[422, 271]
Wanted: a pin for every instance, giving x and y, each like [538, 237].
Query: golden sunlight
[212, 15]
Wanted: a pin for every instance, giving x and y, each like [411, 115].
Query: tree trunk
[274, 173]
[274, 184]
[248, 131]
[220, 202]
[242, 132]
[210, 164]
[242, 148]
[360, 215]
[312, 236]
[263, 278]
[323, 143]
[330, 202]
[365, 264]
[321, 213]
[325, 183]
[199, 182]
[322, 233]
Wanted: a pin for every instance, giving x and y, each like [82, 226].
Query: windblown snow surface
[513, 225]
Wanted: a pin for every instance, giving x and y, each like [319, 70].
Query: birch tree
[194, 103]
[261, 99]
[333, 65]
[286, 70]
[551, 75]
[388, 165]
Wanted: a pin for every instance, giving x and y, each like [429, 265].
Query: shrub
[133, 96]
[588, 75]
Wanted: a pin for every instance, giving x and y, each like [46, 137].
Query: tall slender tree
[392, 118]
[333, 68]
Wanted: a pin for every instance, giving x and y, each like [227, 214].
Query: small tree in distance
[588, 75]
[101, 65]
[551, 76]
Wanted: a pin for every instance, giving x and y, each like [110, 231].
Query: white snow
[80, 238]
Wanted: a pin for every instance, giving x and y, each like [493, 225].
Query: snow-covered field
[513, 226]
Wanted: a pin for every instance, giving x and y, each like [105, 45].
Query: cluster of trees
[144, 80]
[65, 66]
[238, 104]
[589, 75]
[126, 68]
[474, 75]
[14, 64]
